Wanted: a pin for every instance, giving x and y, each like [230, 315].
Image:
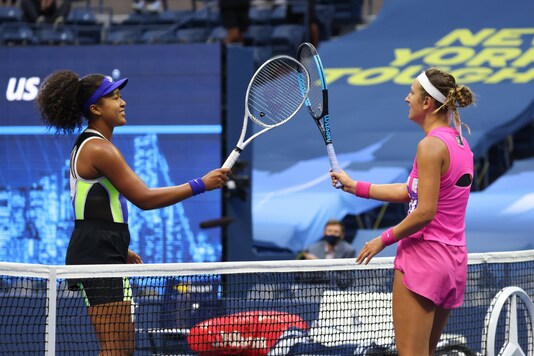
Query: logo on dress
[459, 141]
[413, 184]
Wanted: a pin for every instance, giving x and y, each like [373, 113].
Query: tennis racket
[317, 100]
[274, 95]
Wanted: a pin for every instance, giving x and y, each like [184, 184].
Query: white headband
[430, 89]
[436, 94]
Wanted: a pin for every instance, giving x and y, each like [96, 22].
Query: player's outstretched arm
[112, 165]
[393, 193]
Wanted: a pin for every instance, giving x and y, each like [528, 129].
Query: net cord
[184, 269]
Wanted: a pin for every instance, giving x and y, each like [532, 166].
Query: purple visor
[104, 89]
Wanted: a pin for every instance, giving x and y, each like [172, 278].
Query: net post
[51, 297]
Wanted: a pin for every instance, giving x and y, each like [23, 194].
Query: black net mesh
[268, 311]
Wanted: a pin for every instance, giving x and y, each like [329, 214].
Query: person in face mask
[331, 245]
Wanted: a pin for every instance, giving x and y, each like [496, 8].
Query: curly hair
[61, 97]
[457, 95]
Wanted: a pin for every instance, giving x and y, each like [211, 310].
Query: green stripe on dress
[115, 204]
[82, 190]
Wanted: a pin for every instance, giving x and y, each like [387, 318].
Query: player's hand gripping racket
[274, 95]
[317, 100]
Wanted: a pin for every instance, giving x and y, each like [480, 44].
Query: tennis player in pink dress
[431, 260]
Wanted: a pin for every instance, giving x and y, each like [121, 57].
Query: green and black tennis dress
[100, 233]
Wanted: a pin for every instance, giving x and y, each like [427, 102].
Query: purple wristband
[197, 186]
[388, 238]
[362, 189]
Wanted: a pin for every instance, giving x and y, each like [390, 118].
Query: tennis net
[321, 307]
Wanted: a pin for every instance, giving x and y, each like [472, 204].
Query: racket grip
[232, 158]
[333, 160]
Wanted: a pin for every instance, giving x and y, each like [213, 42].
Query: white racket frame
[241, 144]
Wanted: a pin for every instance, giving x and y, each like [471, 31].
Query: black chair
[160, 35]
[82, 16]
[84, 23]
[279, 15]
[259, 15]
[17, 34]
[10, 14]
[192, 35]
[285, 39]
[122, 34]
[170, 17]
[207, 17]
[217, 34]
[258, 35]
[141, 19]
[347, 14]
[56, 36]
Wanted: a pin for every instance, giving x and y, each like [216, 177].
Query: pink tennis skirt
[433, 270]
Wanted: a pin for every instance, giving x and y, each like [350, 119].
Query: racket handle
[232, 158]
[333, 160]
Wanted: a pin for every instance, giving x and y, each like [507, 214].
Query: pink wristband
[362, 189]
[388, 238]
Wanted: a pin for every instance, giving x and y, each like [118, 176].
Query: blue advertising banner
[168, 85]
[172, 135]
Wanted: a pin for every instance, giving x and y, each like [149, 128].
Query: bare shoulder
[102, 150]
[431, 146]
[101, 146]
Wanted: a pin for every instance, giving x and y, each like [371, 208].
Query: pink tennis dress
[434, 259]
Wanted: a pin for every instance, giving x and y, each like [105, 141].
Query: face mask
[332, 240]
